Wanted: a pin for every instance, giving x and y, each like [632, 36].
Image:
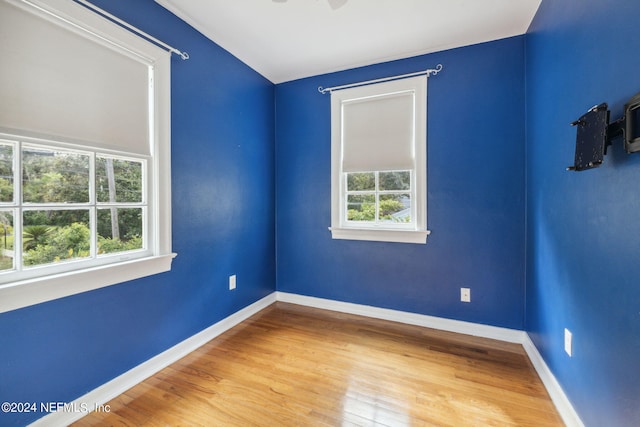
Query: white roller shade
[378, 133]
[60, 81]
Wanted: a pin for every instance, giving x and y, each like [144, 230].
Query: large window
[85, 184]
[59, 205]
[379, 162]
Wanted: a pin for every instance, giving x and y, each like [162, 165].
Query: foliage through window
[59, 205]
[379, 197]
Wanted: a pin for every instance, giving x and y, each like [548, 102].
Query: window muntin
[76, 207]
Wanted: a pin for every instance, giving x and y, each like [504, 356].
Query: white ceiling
[287, 40]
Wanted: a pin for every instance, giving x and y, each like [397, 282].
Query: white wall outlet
[465, 294]
[568, 342]
[232, 282]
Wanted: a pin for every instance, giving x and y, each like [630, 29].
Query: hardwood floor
[297, 366]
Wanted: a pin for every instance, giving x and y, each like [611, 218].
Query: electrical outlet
[568, 342]
[465, 294]
[232, 282]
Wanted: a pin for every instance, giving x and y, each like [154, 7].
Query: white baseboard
[560, 400]
[124, 382]
[468, 328]
[103, 394]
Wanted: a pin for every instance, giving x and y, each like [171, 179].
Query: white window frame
[157, 256]
[340, 228]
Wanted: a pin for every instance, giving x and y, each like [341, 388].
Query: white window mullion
[92, 179]
[93, 212]
[17, 173]
[17, 215]
[17, 254]
[151, 216]
[344, 198]
[414, 196]
[377, 198]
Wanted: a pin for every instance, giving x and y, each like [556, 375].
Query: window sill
[399, 236]
[34, 291]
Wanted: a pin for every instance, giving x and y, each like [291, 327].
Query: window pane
[119, 229]
[50, 176]
[397, 180]
[6, 173]
[361, 181]
[51, 236]
[361, 207]
[118, 181]
[6, 240]
[395, 208]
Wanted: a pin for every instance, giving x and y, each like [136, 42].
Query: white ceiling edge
[273, 70]
[287, 77]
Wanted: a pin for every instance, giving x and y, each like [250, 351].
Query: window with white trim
[85, 180]
[61, 205]
[378, 142]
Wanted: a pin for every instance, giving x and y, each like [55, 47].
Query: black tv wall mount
[595, 133]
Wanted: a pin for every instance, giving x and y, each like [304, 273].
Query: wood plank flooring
[296, 366]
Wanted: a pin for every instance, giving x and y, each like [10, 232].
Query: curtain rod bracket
[428, 73]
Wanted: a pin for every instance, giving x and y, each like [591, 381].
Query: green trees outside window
[59, 203]
[379, 196]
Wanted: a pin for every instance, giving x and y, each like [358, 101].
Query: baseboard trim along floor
[134, 376]
[120, 384]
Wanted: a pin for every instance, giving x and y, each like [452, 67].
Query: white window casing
[374, 128]
[74, 80]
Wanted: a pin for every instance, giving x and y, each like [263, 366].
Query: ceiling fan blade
[337, 4]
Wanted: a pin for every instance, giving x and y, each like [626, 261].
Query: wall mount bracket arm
[595, 133]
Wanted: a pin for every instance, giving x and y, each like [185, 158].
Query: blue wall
[579, 259]
[223, 223]
[475, 193]
[583, 233]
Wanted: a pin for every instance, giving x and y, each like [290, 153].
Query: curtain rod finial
[434, 71]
